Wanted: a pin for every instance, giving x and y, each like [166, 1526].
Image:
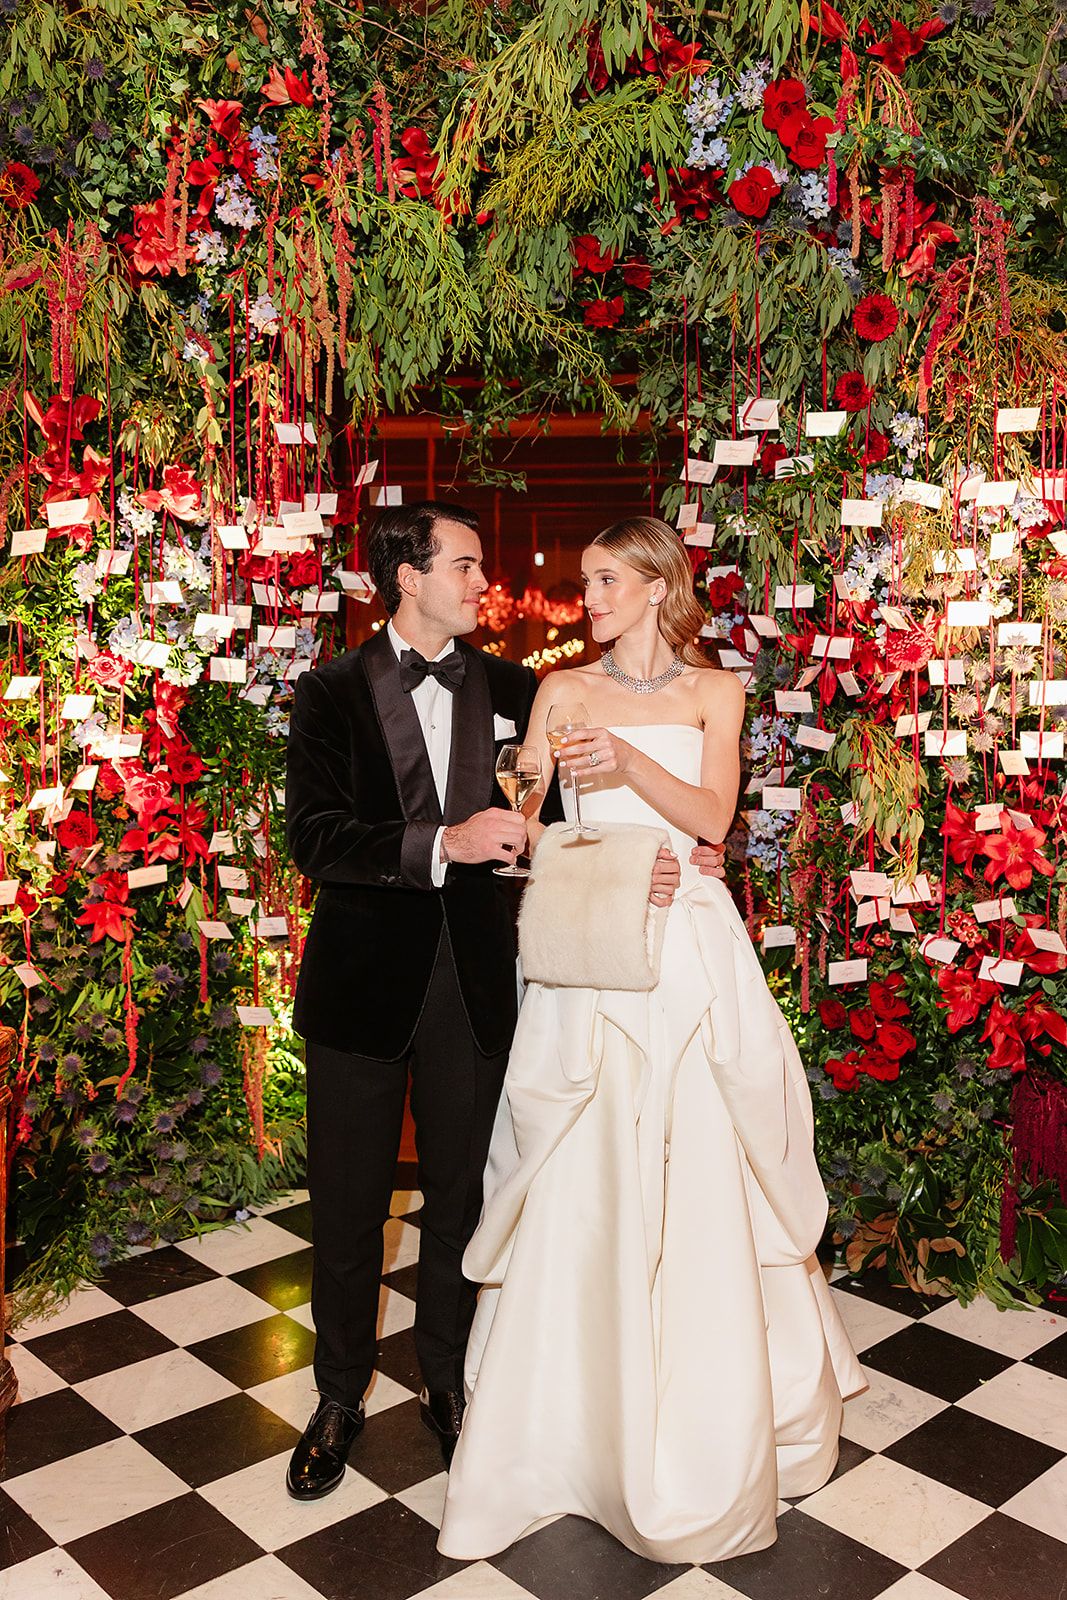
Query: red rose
[885, 1002]
[844, 1072]
[603, 313]
[895, 1041]
[879, 1066]
[752, 193]
[863, 1023]
[637, 274]
[26, 901]
[771, 454]
[77, 831]
[851, 393]
[832, 1014]
[302, 571]
[780, 100]
[18, 186]
[877, 448]
[146, 791]
[107, 671]
[875, 317]
[183, 764]
[805, 138]
[590, 255]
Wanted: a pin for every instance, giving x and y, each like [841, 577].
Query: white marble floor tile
[266, 1579]
[426, 1499]
[302, 1314]
[697, 1585]
[241, 1245]
[1043, 1503]
[385, 1392]
[395, 1311]
[477, 1582]
[903, 1514]
[35, 1378]
[914, 1586]
[1012, 1333]
[1026, 1399]
[94, 1488]
[53, 1575]
[257, 1501]
[82, 1304]
[401, 1245]
[203, 1310]
[293, 1396]
[404, 1202]
[867, 1322]
[887, 1411]
[147, 1392]
[272, 1207]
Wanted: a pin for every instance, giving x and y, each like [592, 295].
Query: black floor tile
[259, 1351]
[156, 1272]
[979, 1458]
[395, 1450]
[284, 1283]
[20, 1537]
[165, 1551]
[876, 1287]
[98, 1345]
[937, 1362]
[405, 1280]
[218, 1439]
[57, 1425]
[1051, 1357]
[397, 1359]
[1002, 1559]
[386, 1553]
[578, 1559]
[809, 1559]
[294, 1219]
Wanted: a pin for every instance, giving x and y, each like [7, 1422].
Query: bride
[655, 1346]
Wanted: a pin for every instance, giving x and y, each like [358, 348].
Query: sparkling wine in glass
[565, 718]
[518, 772]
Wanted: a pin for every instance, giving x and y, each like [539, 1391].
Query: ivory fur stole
[585, 920]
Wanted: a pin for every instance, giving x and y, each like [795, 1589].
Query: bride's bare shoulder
[720, 692]
[590, 672]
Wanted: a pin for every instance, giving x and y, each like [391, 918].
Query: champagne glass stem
[577, 804]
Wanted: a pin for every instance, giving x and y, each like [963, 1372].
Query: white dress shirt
[433, 706]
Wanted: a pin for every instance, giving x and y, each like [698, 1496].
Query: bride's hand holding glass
[594, 750]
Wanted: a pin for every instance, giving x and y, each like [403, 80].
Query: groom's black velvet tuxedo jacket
[362, 812]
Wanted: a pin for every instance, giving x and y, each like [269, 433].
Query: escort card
[697, 471]
[935, 670]
[28, 541]
[76, 707]
[390, 494]
[232, 537]
[869, 911]
[1049, 692]
[861, 513]
[994, 910]
[866, 883]
[778, 936]
[849, 682]
[221, 843]
[910, 723]
[824, 424]
[913, 894]
[272, 928]
[66, 513]
[794, 467]
[85, 779]
[956, 561]
[1003, 544]
[758, 413]
[1042, 746]
[141, 877]
[366, 474]
[969, 614]
[213, 930]
[734, 452]
[900, 921]
[766, 627]
[227, 669]
[938, 949]
[1013, 763]
[702, 535]
[269, 637]
[931, 495]
[153, 653]
[847, 971]
[815, 738]
[21, 688]
[779, 799]
[945, 742]
[797, 596]
[167, 593]
[294, 433]
[42, 799]
[255, 1016]
[27, 974]
[303, 522]
[1018, 632]
[836, 647]
[996, 492]
[793, 700]
[9, 888]
[324, 504]
[113, 563]
[1017, 419]
[213, 622]
[1047, 939]
[688, 516]
[1002, 971]
[232, 877]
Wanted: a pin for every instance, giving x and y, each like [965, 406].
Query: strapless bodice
[607, 797]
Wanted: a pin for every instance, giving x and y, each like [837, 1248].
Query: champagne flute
[564, 718]
[518, 772]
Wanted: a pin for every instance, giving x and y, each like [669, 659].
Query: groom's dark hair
[405, 534]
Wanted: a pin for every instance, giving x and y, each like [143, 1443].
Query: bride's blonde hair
[654, 551]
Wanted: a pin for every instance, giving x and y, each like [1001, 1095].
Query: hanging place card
[758, 413]
[702, 535]
[27, 974]
[9, 888]
[779, 936]
[141, 877]
[1049, 692]
[221, 843]
[910, 723]
[1047, 939]
[1046, 485]
[366, 474]
[213, 930]
[889, 682]
[240, 906]
[389, 495]
[233, 537]
[968, 488]
[28, 541]
[732, 660]
[835, 647]
[781, 799]
[113, 563]
[76, 707]
[1017, 419]
[84, 780]
[793, 700]
[1042, 746]
[1003, 544]
[297, 668]
[997, 492]
[153, 653]
[815, 738]
[357, 585]
[1002, 971]
[21, 688]
[956, 561]
[766, 627]
[869, 911]
[255, 1016]
[697, 471]
[870, 883]
[824, 424]
[793, 467]
[850, 683]
[938, 949]
[272, 928]
[688, 516]
[324, 504]
[847, 971]
[969, 614]
[798, 596]
[916, 493]
[232, 877]
[227, 669]
[894, 618]
[167, 593]
[912, 894]
[294, 433]
[66, 513]
[43, 799]
[900, 921]
[987, 816]
[316, 600]
[242, 615]
[206, 622]
[945, 742]
[303, 522]
[1018, 633]
[271, 638]
[994, 910]
[1013, 763]
[935, 670]
[850, 813]
[734, 452]
[862, 513]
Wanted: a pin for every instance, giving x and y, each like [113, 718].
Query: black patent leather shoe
[317, 1465]
[442, 1412]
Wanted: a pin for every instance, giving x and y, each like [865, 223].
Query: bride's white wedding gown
[656, 1347]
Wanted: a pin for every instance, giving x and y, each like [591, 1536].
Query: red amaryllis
[77, 831]
[862, 1023]
[603, 313]
[107, 915]
[851, 393]
[420, 162]
[832, 1013]
[752, 193]
[289, 90]
[895, 1041]
[910, 649]
[805, 138]
[875, 318]
[886, 1002]
[963, 841]
[19, 186]
[180, 494]
[1014, 854]
[1003, 1031]
[64, 419]
[1040, 1019]
[146, 792]
[590, 255]
[964, 995]
[830, 23]
[901, 43]
[108, 671]
[224, 116]
[781, 99]
[637, 274]
[844, 1071]
[695, 191]
[667, 55]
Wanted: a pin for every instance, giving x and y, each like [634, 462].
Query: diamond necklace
[640, 685]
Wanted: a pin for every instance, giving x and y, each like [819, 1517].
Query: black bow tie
[450, 670]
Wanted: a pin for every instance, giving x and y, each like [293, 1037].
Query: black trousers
[355, 1108]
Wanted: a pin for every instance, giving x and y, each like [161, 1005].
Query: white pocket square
[503, 727]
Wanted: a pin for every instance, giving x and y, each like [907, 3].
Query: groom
[392, 806]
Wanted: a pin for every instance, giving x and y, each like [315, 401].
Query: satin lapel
[470, 770]
[401, 731]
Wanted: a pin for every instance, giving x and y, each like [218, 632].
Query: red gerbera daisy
[875, 317]
[851, 392]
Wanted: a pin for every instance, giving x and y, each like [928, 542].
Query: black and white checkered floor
[157, 1412]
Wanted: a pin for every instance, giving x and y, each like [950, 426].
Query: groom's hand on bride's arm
[493, 835]
[709, 858]
[666, 876]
